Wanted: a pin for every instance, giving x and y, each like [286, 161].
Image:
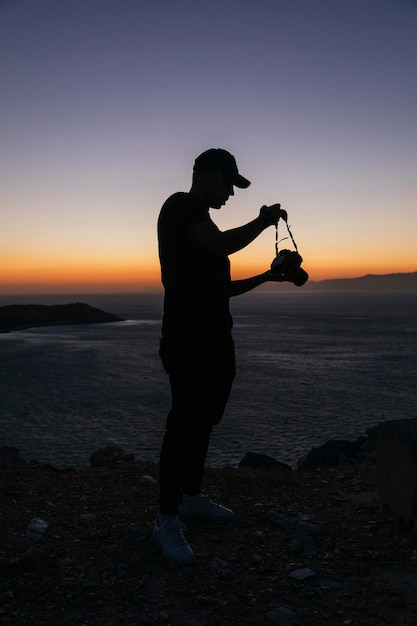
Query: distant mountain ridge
[21, 316]
[369, 282]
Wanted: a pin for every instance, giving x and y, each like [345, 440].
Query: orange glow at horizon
[97, 274]
[317, 270]
[115, 275]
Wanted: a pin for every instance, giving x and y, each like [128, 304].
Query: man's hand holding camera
[271, 214]
[286, 265]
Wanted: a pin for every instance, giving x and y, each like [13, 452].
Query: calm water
[311, 366]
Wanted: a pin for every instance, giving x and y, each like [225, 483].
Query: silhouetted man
[197, 348]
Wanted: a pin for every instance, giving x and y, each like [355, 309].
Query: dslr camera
[289, 260]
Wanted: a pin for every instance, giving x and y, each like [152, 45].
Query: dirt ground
[96, 563]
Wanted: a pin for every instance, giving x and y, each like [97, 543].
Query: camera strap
[283, 239]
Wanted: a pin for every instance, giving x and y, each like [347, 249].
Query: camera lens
[301, 278]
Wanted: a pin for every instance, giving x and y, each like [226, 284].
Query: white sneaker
[200, 506]
[170, 539]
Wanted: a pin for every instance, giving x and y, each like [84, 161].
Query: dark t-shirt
[196, 281]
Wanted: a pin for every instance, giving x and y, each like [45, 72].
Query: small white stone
[146, 478]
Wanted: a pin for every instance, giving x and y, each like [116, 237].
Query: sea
[311, 366]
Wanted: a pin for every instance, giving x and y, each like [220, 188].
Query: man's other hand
[280, 277]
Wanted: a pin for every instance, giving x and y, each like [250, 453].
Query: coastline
[23, 316]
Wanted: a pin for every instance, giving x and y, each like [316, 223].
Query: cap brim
[241, 182]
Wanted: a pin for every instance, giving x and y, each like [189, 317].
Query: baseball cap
[220, 160]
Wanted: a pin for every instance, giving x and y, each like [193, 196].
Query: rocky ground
[339, 559]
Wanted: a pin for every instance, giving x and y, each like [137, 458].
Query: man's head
[220, 160]
[214, 174]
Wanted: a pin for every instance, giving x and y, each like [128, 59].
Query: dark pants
[201, 373]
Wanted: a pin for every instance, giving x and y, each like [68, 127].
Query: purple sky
[104, 106]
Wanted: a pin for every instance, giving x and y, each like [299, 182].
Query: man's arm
[238, 287]
[207, 235]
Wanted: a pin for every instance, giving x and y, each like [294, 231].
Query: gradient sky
[104, 106]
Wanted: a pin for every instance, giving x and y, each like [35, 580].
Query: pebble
[302, 573]
[36, 529]
[258, 537]
[146, 478]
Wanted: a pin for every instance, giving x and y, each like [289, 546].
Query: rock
[33, 560]
[302, 573]
[283, 616]
[106, 456]
[10, 457]
[397, 467]
[301, 533]
[88, 517]
[254, 460]
[291, 525]
[340, 452]
[327, 455]
[147, 478]
[36, 529]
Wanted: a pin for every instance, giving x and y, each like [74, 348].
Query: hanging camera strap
[279, 241]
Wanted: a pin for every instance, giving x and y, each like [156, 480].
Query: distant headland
[406, 281]
[22, 316]
[370, 282]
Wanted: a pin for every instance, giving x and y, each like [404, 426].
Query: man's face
[219, 189]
